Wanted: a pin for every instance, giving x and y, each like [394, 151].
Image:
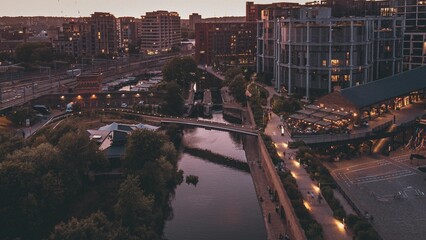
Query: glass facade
[329, 53]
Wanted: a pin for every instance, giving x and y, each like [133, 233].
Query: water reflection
[223, 205]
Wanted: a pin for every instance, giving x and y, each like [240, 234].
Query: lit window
[335, 62]
[334, 78]
[347, 78]
[324, 63]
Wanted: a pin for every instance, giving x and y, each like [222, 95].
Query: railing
[52, 120]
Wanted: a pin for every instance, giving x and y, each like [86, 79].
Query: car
[123, 105]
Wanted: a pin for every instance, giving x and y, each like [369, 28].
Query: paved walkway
[320, 211]
[275, 226]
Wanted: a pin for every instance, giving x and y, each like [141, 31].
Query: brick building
[226, 43]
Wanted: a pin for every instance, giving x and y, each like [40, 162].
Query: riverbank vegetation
[312, 229]
[50, 190]
[217, 158]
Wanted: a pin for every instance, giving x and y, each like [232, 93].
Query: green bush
[369, 234]
[351, 220]
[361, 225]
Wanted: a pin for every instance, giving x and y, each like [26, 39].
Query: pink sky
[135, 8]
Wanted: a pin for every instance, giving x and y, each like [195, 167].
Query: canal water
[223, 205]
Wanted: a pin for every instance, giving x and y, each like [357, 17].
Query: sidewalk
[321, 212]
[275, 226]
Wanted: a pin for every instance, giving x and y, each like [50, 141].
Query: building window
[324, 63]
[334, 78]
[335, 62]
[347, 78]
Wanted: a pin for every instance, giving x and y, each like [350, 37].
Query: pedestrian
[312, 196]
[286, 237]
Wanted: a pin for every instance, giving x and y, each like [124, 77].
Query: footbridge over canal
[244, 129]
[211, 125]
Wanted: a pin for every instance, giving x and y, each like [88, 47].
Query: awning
[326, 110]
[323, 123]
[312, 120]
[298, 116]
[320, 114]
[305, 111]
[313, 107]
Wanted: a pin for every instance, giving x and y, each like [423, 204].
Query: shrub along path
[321, 212]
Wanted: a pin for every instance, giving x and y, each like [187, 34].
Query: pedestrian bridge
[229, 127]
[211, 125]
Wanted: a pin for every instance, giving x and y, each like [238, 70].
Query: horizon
[79, 8]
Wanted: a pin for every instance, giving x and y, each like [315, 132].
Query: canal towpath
[321, 212]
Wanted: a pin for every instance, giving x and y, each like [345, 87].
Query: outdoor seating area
[317, 120]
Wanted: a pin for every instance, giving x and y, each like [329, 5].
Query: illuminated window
[334, 78]
[324, 63]
[347, 78]
[424, 48]
[335, 62]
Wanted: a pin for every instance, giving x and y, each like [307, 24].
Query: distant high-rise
[104, 33]
[160, 32]
[193, 19]
[225, 43]
[254, 11]
[128, 32]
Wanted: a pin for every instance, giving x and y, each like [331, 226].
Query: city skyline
[134, 8]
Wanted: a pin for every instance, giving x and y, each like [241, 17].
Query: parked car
[124, 105]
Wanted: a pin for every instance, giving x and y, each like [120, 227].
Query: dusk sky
[135, 8]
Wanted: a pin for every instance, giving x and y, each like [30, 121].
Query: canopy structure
[298, 116]
[386, 88]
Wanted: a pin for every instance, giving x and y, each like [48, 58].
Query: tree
[33, 52]
[174, 102]
[81, 153]
[238, 88]
[142, 146]
[182, 69]
[96, 227]
[230, 75]
[134, 208]
[19, 208]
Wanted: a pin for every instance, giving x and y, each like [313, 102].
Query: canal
[223, 205]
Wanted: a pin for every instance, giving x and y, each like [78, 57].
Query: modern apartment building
[225, 43]
[193, 19]
[306, 49]
[414, 13]
[104, 34]
[74, 38]
[254, 11]
[160, 32]
[129, 32]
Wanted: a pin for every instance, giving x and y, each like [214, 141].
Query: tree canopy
[182, 69]
[174, 102]
[238, 88]
[34, 52]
